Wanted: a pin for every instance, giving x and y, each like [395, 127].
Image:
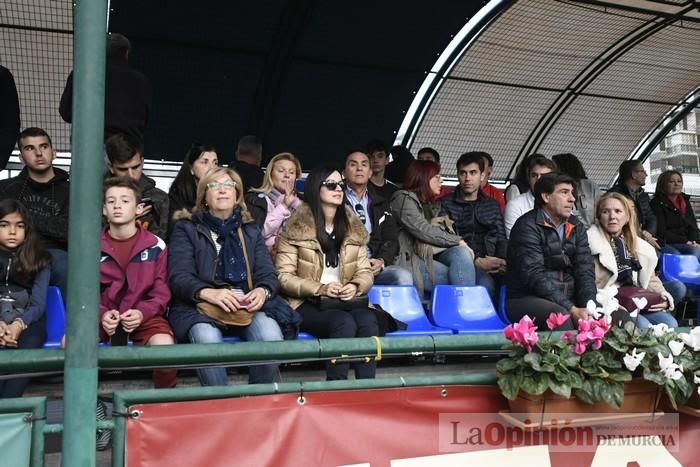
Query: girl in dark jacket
[207, 264]
[676, 230]
[24, 265]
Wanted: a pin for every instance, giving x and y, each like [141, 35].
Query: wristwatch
[21, 322]
[268, 294]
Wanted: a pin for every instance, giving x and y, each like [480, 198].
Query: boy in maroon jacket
[134, 290]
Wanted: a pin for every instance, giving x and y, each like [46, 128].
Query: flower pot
[692, 407]
[641, 396]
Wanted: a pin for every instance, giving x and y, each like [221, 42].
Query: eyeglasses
[333, 185]
[360, 210]
[219, 185]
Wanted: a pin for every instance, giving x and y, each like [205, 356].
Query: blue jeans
[485, 279]
[681, 249]
[645, 320]
[59, 271]
[453, 266]
[394, 275]
[677, 289]
[262, 328]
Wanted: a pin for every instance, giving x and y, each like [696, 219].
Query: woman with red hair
[435, 255]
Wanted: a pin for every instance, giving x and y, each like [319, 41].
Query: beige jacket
[299, 259]
[606, 265]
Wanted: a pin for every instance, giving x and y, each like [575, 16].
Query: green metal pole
[80, 387]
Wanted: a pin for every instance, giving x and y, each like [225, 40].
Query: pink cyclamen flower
[523, 332]
[555, 320]
[590, 332]
[567, 336]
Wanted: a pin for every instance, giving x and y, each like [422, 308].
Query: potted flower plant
[613, 367]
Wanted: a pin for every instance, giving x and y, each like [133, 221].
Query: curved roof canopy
[595, 78]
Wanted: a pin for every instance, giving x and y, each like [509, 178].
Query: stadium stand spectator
[676, 227]
[631, 180]
[516, 207]
[378, 153]
[587, 192]
[247, 164]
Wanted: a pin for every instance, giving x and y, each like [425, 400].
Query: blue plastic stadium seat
[502, 305]
[466, 310]
[685, 268]
[299, 185]
[404, 304]
[55, 318]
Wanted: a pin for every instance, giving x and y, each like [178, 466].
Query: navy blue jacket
[541, 265]
[192, 261]
[479, 223]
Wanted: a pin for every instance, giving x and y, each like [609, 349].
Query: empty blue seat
[299, 185]
[55, 318]
[685, 268]
[465, 310]
[404, 304]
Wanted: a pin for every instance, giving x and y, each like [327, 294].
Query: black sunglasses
[332, 184]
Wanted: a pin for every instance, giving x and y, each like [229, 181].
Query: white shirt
[516, 208]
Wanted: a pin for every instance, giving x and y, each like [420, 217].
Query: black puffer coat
[671, 225]
[541, 265]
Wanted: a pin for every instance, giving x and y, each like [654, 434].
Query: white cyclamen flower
[692, 340]
[676, 347]
[660, 329]
[696, 378]
[633, 360]
[593, 310]
[669, 368]
[640, 303]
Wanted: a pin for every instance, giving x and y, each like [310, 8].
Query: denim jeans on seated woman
[262, 328]
[454, 266]
[645, 320]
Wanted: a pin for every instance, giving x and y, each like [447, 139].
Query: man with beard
[43, 189]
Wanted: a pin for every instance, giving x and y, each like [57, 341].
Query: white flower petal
[640, 302]
[676, 347]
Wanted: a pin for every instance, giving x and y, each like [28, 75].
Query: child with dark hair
[24, 265]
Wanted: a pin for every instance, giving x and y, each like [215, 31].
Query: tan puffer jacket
[299, 259]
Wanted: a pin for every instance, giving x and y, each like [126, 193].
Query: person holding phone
[218, 256]
[276, 200]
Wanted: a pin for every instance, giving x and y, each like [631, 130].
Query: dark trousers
[538, 309]
[340, 323]
[31, 338]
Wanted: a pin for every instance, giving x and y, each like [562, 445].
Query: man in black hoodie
[9, 115]
[127, 93]
[43, 189]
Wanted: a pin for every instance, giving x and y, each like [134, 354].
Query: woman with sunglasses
[434, 254]
[217, 255]
[322, 252]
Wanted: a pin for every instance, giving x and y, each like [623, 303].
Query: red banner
[406, 427]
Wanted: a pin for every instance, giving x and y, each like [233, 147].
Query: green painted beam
[80, 384]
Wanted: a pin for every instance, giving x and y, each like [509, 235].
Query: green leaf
[654, 376]
[510, 385]
[620, 376]
[561, 388]
[572, 361]
[586, 392]
[533, 359]
[506, 365]
[613, 394]
[537, 384]
[575, 379]
[617, 345]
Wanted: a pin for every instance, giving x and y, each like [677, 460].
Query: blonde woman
[275, 201]
[623, 259]
[207, 263]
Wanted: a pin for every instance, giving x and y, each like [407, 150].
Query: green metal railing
[36, 406]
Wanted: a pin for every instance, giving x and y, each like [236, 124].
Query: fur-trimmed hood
[301, 228]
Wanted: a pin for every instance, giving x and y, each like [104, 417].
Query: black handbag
[355, 303]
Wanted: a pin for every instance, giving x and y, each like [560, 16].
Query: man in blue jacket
[550, 267]
[478, 220]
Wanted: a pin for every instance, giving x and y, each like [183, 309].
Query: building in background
[679, 150]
